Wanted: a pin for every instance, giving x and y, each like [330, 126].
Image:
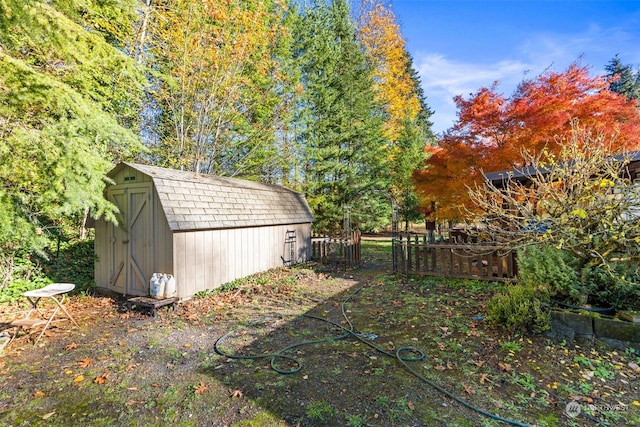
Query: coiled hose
[403, 355]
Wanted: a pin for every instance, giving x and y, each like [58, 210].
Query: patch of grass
[383, 401]
[355, 420]
[526, 380]
[319, 410]
[261, 419]
[511, 346]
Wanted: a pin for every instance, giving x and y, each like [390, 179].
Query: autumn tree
[338, 119]
[216, 89]
[580, 200]
[70, 105]
[398, 90]
[492, 130]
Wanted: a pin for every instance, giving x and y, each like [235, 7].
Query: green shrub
[72, 261]
[549, 271]
[618, 285]
[26, 275]
[520, 309]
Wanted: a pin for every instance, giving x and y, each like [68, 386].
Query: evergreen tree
[622, 78]
[398, 90]
[341, 124]
[69, 110]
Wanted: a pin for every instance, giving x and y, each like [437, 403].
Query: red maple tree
[491, 131]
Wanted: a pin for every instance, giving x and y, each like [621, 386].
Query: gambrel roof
[195, 201]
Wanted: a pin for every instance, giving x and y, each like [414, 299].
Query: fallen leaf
[587, 375]
[84, 363]
[38, 394]
[497, 404]
[71, 346]
[236, 393]
[504, 367]
[49, 415]
[478, 363]
[102, 378]
[200, 389]
[78, 379]
[483, 378]
[130, 367]
[469, 390]
[411, 406]
[634, 366]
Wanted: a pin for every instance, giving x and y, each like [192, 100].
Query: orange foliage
[382, 39]
[491, 131]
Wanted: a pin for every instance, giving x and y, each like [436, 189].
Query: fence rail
[415, 255]
[337, 251]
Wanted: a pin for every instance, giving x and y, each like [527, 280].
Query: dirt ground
[338, 339]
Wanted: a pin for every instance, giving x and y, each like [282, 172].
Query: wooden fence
[415, 255]
[340, 252]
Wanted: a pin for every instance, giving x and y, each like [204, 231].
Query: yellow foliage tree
[398, 91]
[218, 74]
[382, 39]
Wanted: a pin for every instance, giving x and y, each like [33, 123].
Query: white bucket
[156, 286]
[170, 289]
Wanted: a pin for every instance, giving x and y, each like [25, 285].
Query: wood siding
[206, 259]
[128, 254]
[144, 243]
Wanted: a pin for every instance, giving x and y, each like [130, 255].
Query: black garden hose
[414, 354]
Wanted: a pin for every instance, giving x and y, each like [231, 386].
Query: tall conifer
[341, 122]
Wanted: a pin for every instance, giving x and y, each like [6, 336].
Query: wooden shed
[204, 230]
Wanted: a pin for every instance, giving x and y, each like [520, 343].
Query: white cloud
[444, 78]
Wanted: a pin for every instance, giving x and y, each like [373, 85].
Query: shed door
[131, 241]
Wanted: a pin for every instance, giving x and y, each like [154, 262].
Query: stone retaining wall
[569, 325]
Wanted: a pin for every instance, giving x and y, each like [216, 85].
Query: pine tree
[622, 79]
[341, 124]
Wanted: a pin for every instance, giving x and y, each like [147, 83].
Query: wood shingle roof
[194, 201]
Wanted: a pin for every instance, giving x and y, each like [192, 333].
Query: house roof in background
[195, 201]
[527, 173]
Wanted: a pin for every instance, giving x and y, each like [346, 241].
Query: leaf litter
[147, 369]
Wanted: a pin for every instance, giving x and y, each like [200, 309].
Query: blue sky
[459, 46]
